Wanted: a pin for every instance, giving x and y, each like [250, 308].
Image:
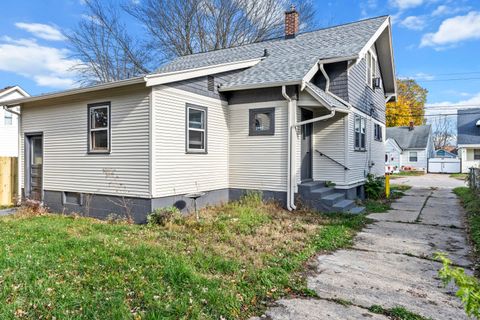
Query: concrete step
[343, 205]
[321, 192]
[333, 198]
[356, 210]
[306, 188]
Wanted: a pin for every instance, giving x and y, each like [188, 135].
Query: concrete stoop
[316, 195]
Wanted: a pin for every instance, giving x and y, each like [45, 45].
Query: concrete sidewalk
[391, 263]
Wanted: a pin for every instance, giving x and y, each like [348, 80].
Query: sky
[436, 42]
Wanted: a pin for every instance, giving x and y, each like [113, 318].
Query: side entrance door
[34, 167]
[306, 146]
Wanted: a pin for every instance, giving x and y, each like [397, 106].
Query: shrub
[468, 286]
[114, 218]
[374, 187]
[162, 215]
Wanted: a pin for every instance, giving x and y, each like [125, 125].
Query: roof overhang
[168, 77]
[259, 86]
[324, 102]
[13, 89]
[382, 39]
[394, 143]
[103, 86]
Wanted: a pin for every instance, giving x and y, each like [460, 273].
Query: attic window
[371, 61]
[210, 83]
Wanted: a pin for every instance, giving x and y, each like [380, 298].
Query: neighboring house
[393, 153]
[280, 116]
[441, 153]
[412, 145]
[468, 138]
[9, 122]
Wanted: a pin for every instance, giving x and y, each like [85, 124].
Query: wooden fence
[8, 180]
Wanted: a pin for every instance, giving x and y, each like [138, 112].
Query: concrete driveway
[391, 262]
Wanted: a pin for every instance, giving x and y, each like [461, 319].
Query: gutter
[291, 118]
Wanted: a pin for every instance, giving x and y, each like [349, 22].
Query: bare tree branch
[443, 132]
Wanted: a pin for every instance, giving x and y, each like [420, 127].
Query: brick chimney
[410, 128]
[291, 23]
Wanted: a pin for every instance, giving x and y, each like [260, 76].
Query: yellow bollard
[387, 185]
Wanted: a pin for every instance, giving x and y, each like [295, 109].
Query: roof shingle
[410, 139]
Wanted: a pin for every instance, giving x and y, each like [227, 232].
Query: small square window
[262, 121]
[413, 156]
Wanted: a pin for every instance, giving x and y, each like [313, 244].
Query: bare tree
[443, 131]
[103, 47]
[172, 28]
[181, 27]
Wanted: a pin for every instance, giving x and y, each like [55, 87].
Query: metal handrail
[324, 155]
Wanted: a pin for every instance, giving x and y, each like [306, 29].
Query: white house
[9, 122]
[409, 147]
[468, 138]
[281, 116]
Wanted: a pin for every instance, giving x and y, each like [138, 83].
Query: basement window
[196, 129]
[360, 133]
[99, 127]
[74, 198]
[262, 122]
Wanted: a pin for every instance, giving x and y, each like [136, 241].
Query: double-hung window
[8, 118]
[371, 61]
[476, 154]
[360, 133]
[377, 132]
[196, 125]
[99, 127]
[413, 157]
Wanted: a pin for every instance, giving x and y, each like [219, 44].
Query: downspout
[290, 207]
[19, 187]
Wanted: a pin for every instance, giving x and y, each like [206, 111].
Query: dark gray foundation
[102, 206]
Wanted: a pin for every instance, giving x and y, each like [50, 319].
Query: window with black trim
[413, 156]
[262, 121]
[476, 154]
[360, 133]
[196, 127]
[99, 127]
[377, 132]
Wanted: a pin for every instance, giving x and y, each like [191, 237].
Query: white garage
[444, 165]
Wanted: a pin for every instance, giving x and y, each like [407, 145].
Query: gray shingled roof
[288, 59]
[468, 132]
[410, 139]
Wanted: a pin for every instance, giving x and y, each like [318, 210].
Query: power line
[451, 79]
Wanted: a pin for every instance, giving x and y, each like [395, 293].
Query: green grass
[383, 204]
[459, 176]
[227, 265]
[400, 187]
[471, 201]
[397, 313]
[407, 174]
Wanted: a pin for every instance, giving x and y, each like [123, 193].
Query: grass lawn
[471, 202]
[227, 265]
[459, 176]
[383, 204]
[406, 174]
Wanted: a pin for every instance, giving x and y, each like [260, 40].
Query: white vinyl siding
[9, 133]
[176, 172]
[258, 162]
[329, 138]
[420, 164]
[68, 166]
[468, 159]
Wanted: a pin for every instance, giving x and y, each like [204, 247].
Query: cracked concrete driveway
[391, 263]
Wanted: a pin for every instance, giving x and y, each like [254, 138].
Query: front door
[306, 146]
[34, 168]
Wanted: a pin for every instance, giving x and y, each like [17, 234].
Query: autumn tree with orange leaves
[410, 104]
